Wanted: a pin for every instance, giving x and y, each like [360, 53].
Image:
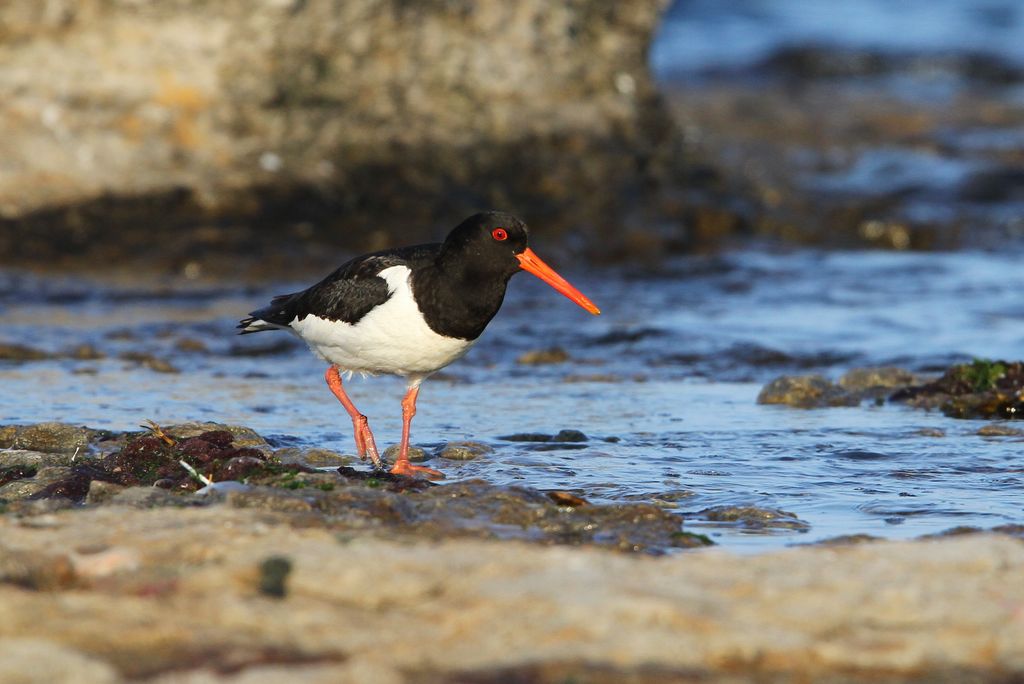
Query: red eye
[499, 234]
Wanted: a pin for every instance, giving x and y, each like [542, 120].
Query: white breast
[392, 338]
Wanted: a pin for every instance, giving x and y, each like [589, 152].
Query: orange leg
[402, 465]
[360, 425]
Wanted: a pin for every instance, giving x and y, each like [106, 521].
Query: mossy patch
[980, 389]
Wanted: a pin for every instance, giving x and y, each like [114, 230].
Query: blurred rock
[188, 602]
[464, 451]
[19, 352]
[155, 131]
[805, 391]
[538, 357]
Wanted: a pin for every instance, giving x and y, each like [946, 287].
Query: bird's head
[498, 242]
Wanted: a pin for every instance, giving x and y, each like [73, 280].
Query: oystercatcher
[409, 312]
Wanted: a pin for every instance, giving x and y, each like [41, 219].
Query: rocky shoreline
[233, 594]
[120, 560]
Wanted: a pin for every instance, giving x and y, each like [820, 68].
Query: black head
[486, 242]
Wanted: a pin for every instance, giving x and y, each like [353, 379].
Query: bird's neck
[456, 300]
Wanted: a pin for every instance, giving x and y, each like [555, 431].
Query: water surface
[663, 383]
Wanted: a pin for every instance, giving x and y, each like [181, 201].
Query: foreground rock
[229, 594]
[151, 117]
[202, 464]
[980, 389]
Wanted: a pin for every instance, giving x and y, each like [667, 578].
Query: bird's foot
[409, 470]
[365, 446]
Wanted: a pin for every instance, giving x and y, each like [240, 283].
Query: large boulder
[156, 117]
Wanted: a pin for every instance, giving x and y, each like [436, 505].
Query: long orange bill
[530, 262]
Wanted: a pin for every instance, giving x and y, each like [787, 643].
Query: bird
[409, 311]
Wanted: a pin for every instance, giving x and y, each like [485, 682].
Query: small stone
[464, 451]
[274, 573]
[312, 458]
[538, 357]
[101, 492]
[416, 454]
[567, 499]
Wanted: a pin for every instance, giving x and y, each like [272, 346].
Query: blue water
[663, 383]
[702, 34]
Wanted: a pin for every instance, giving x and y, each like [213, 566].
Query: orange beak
[530, 262]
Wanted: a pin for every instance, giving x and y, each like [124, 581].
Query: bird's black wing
[347, 294]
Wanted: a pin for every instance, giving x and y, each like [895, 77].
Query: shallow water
[663, 383]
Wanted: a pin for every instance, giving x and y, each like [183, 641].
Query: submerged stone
[805, 391]
[754, 517]
[464, 451]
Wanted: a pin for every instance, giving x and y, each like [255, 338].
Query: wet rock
[527, 437]
[313, 457]
[848, 540]
[28, 487]
[22, 458]
[85, 352]
[563, 436]
[880, 379]
[416, 454]
[1009, 529]
[569, 436]
[805, 391]
[464, 451]
[981, 389]
[150, 361]
[931, 432]
[753, 517]
[567, 499]
[18, 352]
[46, 437]
[539, 357]
[101, 492]
[191, 346]
[241, 436]
[999, 430]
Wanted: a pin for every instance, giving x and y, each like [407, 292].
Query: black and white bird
[409, 312]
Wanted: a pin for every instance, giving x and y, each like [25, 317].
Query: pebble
[464, 451]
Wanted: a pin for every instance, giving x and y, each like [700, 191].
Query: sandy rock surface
[149, 114]
[221, 594]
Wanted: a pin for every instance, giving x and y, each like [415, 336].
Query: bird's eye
[499, 234]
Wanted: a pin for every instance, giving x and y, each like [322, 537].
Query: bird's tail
[253, 324]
